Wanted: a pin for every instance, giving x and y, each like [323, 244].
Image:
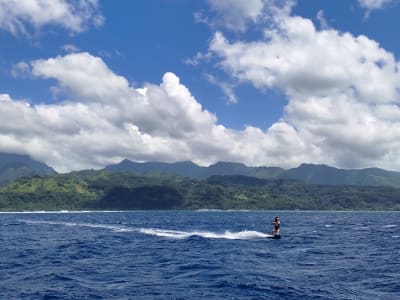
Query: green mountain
[13, 166]
[129, 186]
[187, 168]
[106, 190]
[190, 169]
[228, 168]
[307, 173]
[326, 175]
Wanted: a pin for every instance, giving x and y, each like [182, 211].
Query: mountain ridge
[306, 172]
[14, 166]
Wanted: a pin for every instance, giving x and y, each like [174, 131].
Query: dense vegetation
[106, 190]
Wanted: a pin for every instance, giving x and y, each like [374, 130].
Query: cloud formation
[227, 88]
[105, 120]
[343, 90]
[373, 4]
[22, 17]
[236, 14]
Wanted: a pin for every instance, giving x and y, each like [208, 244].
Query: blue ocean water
[199, 255]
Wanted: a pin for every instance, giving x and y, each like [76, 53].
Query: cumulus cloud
[21, 17]
[104, 120]
[343, 90]
[302, 60]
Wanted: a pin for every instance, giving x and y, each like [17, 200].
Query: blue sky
[263, 82]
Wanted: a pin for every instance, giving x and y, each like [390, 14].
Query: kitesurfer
[276, 223]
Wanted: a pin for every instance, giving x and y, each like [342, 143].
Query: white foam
[390, 226]
[91, 225]
[173, 234]
[176, 234]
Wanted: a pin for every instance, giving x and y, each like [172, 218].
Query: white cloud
[21, 17]
[235, 14]
[322, 20]
[21, 70]
[106, 120]
[373, 4]
[198, 58]
[304, 60]
[343, 107]
[227, 88]
[343, 90]
[76, 72]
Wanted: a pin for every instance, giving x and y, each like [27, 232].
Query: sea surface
[199, 255]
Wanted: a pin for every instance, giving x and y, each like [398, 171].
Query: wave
[114, 228]
[176, 234]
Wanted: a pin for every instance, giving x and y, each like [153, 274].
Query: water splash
[173, 234]
[176, 234]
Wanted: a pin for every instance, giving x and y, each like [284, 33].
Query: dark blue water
[200, 255]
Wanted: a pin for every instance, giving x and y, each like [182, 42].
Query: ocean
[199, 255]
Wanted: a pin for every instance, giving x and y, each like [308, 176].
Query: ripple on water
[199, 255]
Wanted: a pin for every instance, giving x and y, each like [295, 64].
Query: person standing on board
[276, 223]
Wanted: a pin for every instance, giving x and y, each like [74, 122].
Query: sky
[88, 83]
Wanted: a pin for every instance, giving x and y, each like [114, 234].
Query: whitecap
[390, 226]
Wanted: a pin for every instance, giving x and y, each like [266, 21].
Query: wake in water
[91, 225]
[175, 234]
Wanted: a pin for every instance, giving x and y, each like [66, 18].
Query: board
[276, 237]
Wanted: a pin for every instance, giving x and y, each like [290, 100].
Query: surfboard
[276, 237]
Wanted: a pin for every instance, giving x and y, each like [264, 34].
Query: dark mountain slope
[13, 166]
[326, 175]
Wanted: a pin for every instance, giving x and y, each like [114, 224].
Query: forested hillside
[105, 190]
[307, 173]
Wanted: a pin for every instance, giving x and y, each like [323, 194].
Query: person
[276, 223]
